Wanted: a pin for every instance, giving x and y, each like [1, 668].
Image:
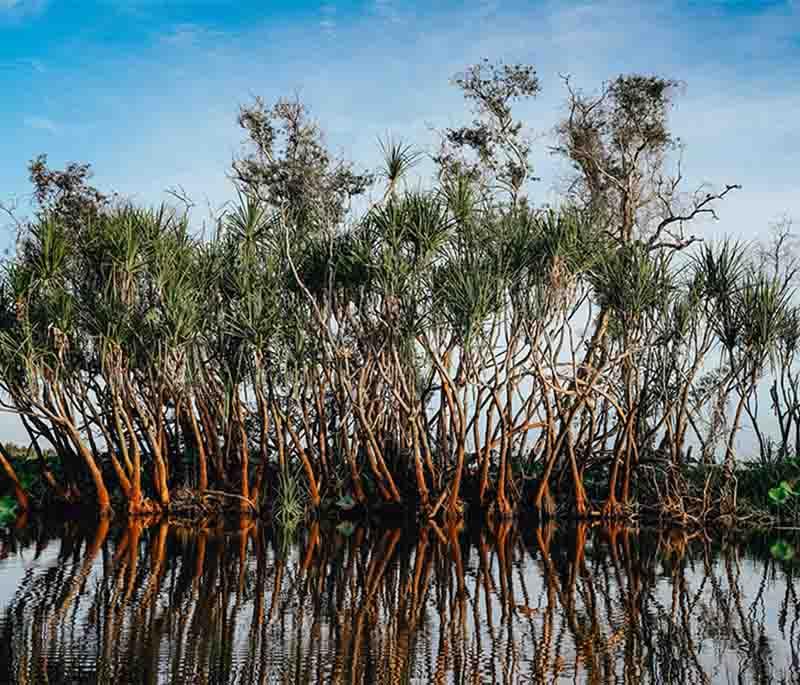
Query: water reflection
[156, 603]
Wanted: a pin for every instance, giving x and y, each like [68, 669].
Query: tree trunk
[19, 491]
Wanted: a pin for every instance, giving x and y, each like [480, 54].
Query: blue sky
[148, 90]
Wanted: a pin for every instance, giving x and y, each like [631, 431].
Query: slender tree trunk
[245, 457]
[202, 461]
[103, 500]
[19, 491]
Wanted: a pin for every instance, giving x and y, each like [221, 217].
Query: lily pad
[781, 493]
[782, 550]
[346, 528]
[8, 510]
[346, 502]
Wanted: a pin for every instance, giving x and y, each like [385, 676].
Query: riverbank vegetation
[343, 339]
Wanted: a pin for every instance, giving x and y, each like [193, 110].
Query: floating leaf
[778, 495]
[346, 502]
[346, 528]
[782, 550]
[8, 510]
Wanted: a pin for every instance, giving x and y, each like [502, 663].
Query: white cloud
[384, 75]
[40, 123]
[390, 11]
[17, 9]
[189, 35]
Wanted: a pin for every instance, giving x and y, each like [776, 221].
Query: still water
[160, 603]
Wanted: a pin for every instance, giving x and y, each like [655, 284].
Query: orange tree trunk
[103, 500]
[19, 491]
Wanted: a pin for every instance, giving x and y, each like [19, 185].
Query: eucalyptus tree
[288, 166]
[494, 149]
[620, 145]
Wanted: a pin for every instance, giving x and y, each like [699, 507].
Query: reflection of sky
[14, 567]
[491, 643]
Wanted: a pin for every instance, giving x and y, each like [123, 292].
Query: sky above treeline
[147, 91]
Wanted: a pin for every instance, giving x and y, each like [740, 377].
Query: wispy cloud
[25, 65]
[39, 123]
[17, 9]
[389, 11]
[328, 21]
[189, 35]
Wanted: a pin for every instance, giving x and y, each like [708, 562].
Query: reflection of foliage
[8, 510]
[782, 550]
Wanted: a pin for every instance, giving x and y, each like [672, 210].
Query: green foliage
[633, 282]
[288, 509]
[782, 550]
[782, 493]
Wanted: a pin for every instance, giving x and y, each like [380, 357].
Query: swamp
[355, 427]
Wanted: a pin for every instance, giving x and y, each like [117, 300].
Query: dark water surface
[158, 603]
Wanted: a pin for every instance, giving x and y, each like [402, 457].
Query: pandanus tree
[568, 243]
[44, 351]
[468, 292]
[632, 283]
[785, 389]
[749, 309]
[246, 318]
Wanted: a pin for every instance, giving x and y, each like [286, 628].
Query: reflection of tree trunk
[379, 561]
[158, 556]
[88, 560]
